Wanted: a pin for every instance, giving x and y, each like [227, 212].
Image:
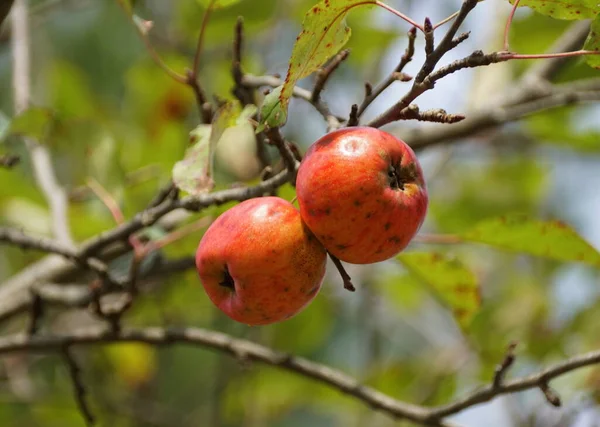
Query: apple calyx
[399, 175]
[227, 281]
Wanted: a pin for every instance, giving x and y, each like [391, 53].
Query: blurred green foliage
[106, 111]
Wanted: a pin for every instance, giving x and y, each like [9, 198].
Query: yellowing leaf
[453, 282]
[549, 239]
[192, 173]
[324, 33]
[593, 43]
[563, 9]
[135, 363]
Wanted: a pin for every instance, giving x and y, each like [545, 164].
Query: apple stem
[345, 276]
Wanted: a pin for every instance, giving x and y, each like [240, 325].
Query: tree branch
[15, 294]
[394, 76]
[324, 73]
[43, 169]
[527, 102]
[330, 377]
[15, 237]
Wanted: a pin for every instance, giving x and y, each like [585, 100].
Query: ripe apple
[361, 191]
[259, 263]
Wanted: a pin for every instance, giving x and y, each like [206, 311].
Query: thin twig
[508, 23]
[445, 20]
[143, 33]
[399, 14]
[203, 25]
[18, 238]
[324, 73]
[79, 390]
[36, 313]
[406, 58]
[107, 199]
[289, 160]
[345, 276]
[502, 368]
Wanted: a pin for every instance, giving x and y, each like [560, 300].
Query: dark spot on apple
[286, 289]
[327, 211]
[378, 251]
[357, 203]
[369, 215]
[227, 281]
[387, 225]
[342, 247]
[395, 239]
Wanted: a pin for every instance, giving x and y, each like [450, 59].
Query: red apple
[361, 191]
[259, 263]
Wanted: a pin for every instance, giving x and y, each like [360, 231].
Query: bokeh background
[117, 117]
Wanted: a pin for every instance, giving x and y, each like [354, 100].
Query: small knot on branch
[550, 394]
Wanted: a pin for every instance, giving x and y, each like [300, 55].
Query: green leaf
[273, 113]
[217, 4]
[592, 42]
[324, 33]
[550, 239]
[563, 9]
[454, 283]
[192, 173]
[559, 127]
[33, 122]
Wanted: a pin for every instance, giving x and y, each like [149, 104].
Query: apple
[361, 192]
[259, 263]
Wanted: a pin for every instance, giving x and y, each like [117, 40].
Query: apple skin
[259, 263]
[361, 191]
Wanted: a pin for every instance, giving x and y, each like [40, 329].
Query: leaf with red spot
[549, 239]
[593, 43]
[563, 9]
[453, 282]
[324, 33]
